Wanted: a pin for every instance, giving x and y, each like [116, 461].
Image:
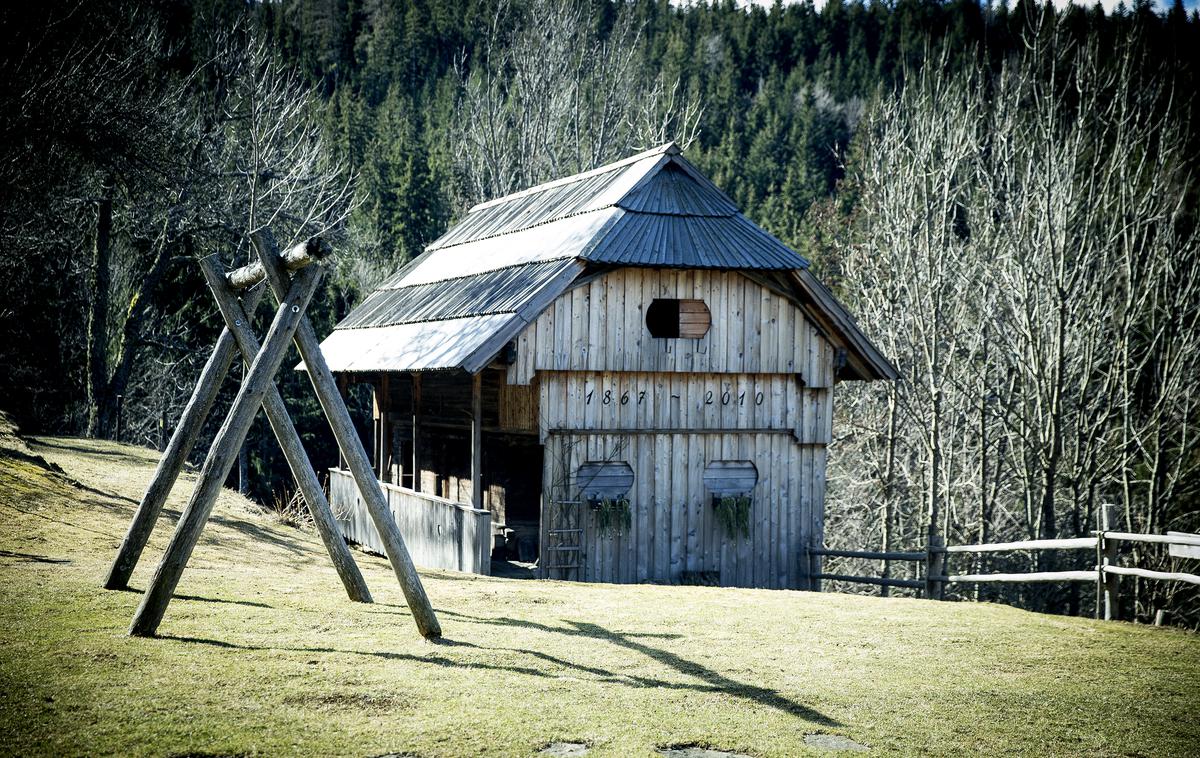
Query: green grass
[262, 654]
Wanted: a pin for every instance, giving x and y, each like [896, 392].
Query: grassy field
[263, 655]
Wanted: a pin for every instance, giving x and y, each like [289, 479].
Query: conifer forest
[1005, 195]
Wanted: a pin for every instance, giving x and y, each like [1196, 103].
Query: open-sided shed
[616, 374]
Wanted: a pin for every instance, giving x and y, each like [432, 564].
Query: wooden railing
[1105, 573]
[438, 533]
[874, 556]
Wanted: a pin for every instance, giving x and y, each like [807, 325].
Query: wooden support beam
[293, 259]
[352, 448]
[182, 441]
[238, 321]
[385, 435]
[416, 426]
[477, 440]
[343, 392]
[224, 452]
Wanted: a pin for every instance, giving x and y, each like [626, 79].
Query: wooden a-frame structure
[237, 296]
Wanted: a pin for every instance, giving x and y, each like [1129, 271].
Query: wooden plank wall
[756, 387]
[592, 400]
[674, 528]
[600, 325]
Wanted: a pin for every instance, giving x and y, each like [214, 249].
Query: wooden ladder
[564, 549]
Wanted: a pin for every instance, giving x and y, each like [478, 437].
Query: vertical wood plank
[693, 496]
[662, 507]
[789, 335]
[679, 521]
[773, 490]
[642, 462]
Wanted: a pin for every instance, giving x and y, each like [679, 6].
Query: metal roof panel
[423, 346]
[564, 238]
[499, 291]
[730, 242]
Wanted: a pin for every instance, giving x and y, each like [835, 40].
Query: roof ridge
[670, 148]
[506, 232]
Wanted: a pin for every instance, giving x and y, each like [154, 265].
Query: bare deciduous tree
[556, 98]
[1021, 254]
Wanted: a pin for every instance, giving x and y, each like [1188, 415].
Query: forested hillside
[1005, 196]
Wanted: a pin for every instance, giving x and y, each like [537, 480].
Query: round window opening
[678, 319]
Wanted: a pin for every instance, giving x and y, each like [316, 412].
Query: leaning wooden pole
[352, 450]
[289, 441]
[224, 452]
[182, 441]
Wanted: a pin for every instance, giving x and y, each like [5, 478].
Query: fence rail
[1169, 576]
[1170, 539]
[1073, 543]
[873, 555]
[879, 580]
[1034, 576]
[1105, 574]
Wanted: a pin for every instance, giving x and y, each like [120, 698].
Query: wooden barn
[616, 375]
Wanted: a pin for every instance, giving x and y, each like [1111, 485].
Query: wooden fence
[1106, 574]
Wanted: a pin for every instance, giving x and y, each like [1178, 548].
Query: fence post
[935, 566]
[813, 584]
[1108, 549]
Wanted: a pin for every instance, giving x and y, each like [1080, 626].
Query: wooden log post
[178, 450]
[352, 448]
[292, 259]
[223, 453]
[1109, 547]
[289, 441]
[477, 440]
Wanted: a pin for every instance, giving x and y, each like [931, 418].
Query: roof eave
[866, 360]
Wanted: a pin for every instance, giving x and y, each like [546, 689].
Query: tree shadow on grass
[31, 557]
[505, 621]
[714, 681]
[63, 522]
[710, 681]
[431, 660]
[200, 599]
[259, 534]
[103, 494]
[717, 681]
[63, 444]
